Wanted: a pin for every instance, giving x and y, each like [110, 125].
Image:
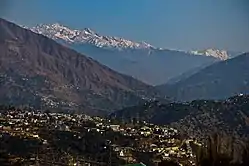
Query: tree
[214, 155]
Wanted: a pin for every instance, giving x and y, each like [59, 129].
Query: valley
[117, 83]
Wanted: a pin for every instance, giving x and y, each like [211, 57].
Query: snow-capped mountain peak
[57, 31]
[220, 54]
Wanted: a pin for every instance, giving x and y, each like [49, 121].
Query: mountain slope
[184, 75]
[36, 68]
[198, 118]
[217, 81]
[138, 59]
[152, 66]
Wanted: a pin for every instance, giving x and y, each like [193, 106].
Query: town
[32, 137]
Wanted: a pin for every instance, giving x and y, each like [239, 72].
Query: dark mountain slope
[198, 118]
[34, 67]
[217, 81]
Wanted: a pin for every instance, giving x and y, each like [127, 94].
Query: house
[121, 154]
[115, 127]
[35, 136]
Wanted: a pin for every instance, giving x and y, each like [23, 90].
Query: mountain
[218, 81]
[39, 72]
[139, 59]
[220, 54]
[57, 31]
[199, 118]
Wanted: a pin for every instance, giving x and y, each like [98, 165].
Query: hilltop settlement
[36, 137]
[29, 137]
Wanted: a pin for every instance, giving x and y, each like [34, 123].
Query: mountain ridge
[41, 68]
[86, 35]
[217, 81]
[220, 54]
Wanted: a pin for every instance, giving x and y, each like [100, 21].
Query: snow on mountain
[57, 31]
[220, 54]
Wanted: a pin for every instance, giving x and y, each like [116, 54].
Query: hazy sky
[176, 24]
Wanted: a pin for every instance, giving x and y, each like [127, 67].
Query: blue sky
[176, 24]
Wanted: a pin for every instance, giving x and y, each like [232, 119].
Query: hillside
[198, 118]
[218, 81]
[36, 70]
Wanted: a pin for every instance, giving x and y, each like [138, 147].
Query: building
[114, 127]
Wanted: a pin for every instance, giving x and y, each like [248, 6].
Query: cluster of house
[27, 123]
[163, 142]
